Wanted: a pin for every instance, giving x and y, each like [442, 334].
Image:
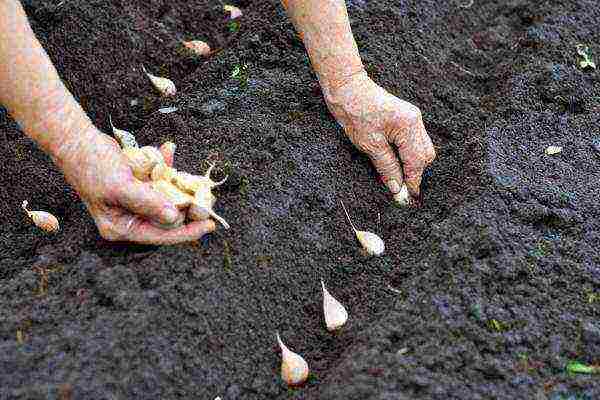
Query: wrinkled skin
[374, 120]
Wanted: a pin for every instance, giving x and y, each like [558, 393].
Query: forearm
[32, 91]
[327, 36]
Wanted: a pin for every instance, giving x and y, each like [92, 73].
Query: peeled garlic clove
[294, 370]
[168, 151]
[124, 138]
[335, 313]
[402, 197]
[372, 243]
[551, 150]
[42, 219]
[177, 197]
[198, 47]
[165, 86]
[234, 11]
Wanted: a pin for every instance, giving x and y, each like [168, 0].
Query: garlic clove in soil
[551, 150]
[402, 197]
[335, 313]
[124, 138]
[197, 47]
[42, 219]
[234, 12]
[294, 369]
[165, 86]
[371, 243]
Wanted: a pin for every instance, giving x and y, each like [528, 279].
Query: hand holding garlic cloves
[123, 207]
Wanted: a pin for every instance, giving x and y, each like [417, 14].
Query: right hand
[123, 207]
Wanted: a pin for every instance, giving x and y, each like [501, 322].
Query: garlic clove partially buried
[402, 197]
[42, 219]
[234, 12]
[371, 243]
[165, 86]
[197, 47]
[335, 313]
[294, 369]
[125, 139]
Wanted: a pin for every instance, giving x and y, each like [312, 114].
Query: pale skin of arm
[123, 208]
[372, 118]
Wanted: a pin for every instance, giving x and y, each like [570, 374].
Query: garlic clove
[372, 243]
[551, 150]
[153, 154]
[42, 219]
[141, 162]
[162, 172]
[165, 86]
[177, 197]
[197, 47]
[335, 313]
[294, 369]
[234, 11]
[124, 138]
[402, 197]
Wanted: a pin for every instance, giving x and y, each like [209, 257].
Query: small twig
[468, 5]
[394, 290]
[466, 71]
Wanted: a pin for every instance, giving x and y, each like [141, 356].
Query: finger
[140, 199]
[167, 150]
[416, 155]
[144, 232]
[386, 163]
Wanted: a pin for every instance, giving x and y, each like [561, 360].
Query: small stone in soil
[596, 145]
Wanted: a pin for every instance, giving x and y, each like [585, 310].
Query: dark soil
[484, 293]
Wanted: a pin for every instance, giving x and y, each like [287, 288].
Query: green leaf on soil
[577, 367]
[587, 61]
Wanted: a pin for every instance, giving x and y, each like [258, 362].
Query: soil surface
[486, 292]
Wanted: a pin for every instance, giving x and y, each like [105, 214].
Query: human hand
[123, 207]
[372, 119]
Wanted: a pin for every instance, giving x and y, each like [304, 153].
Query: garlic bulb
[161, 172]
[42, 219]
[165, 86]
[335, 313]
[124, 138]
[198, 47]
[233, 10]
[294, 370]
[402, 197]
[372, 243]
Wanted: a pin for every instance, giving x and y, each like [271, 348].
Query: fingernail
[402, 197]
[393, 185]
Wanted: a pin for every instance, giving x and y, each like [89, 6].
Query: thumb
[386, 163]
[140, 199]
